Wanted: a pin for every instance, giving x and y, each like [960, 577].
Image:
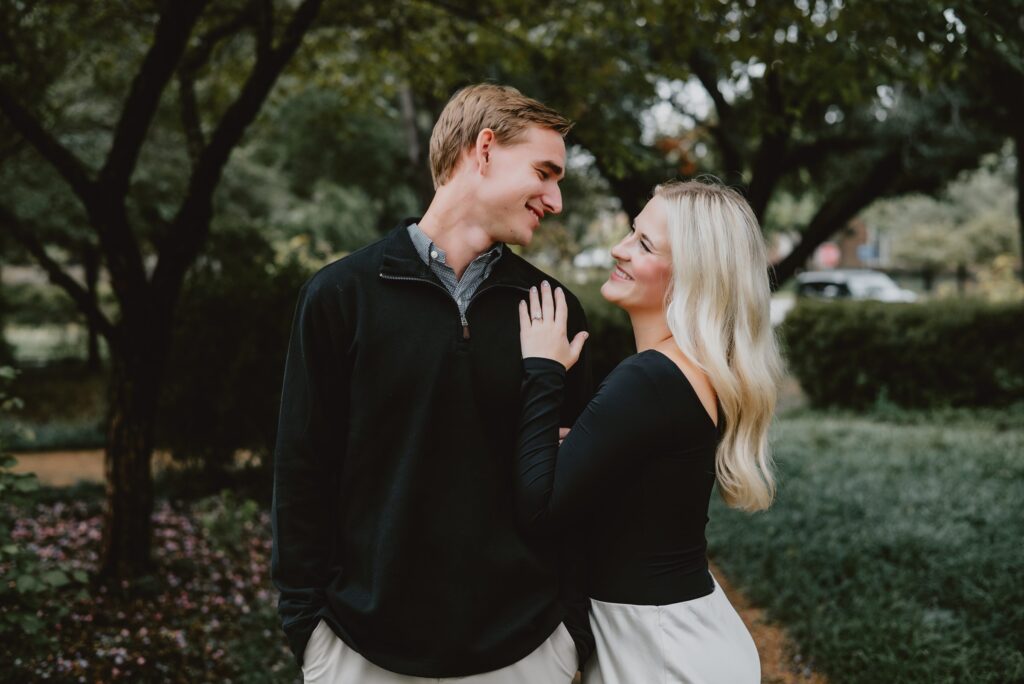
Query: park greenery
[943, 353]
[893, 548]
[131, 133]
[969, 226]
[177, 170]
[889, 556]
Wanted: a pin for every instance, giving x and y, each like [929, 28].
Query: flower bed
[208, 614]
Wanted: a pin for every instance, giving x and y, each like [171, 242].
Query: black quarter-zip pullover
[393, 513]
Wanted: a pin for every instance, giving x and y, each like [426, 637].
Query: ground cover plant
[207, 615]
[893, 553]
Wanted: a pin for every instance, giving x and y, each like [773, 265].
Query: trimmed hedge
[947, 353]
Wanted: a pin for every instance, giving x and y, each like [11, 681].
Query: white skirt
[702, 641]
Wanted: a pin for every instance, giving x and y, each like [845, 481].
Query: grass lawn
[895, 550]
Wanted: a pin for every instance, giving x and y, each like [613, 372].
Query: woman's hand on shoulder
[542, 327]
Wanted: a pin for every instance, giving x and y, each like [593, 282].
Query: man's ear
[485, 141]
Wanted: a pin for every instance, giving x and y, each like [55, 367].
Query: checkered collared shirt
[461, 289]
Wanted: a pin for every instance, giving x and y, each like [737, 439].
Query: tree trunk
[928, 279]
[91, 264]
[417, 170]
[134, 392]
[1019, 144]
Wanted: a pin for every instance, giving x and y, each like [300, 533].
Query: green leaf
[55, 578]
[27, 583]
[26, 484]
[30, 624]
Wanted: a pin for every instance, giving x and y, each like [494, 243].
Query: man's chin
[520, 237]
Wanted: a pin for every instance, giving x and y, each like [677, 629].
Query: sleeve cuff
[539, 364]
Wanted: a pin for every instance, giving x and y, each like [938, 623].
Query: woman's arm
[557, 485]
[617, 428]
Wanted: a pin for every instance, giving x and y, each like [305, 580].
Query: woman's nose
[619, 251]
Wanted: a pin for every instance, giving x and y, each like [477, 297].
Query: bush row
[949, 353]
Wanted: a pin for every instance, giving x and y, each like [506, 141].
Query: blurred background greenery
[170, 173]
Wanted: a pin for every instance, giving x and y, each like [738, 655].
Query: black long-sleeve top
[634, 477]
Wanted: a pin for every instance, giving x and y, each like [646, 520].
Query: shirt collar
[428, 251]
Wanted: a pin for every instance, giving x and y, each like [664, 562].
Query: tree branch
[191, 225]
[767, 168]
[264, 29]
[190, 122]
[703, 66]
[194, 60]
[58, 276]
[838, 209]
[62, 159]
[810, 154]
[475, 16]
[12, 149]
[171, 37]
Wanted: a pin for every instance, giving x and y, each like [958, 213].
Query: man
[395, 546]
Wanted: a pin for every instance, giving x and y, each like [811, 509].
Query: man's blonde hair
[503, 109]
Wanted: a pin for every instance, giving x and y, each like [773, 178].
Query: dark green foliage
[893, 552]
[948, 353]
[54, 435]
[6, 353]
[611, 335]
[223, 379]
[65, 403]
[37, 304]
[34, 590]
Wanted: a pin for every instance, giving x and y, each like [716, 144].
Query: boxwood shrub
[935, 354]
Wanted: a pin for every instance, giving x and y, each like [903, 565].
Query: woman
[633, 477]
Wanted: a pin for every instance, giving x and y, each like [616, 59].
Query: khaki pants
[329, 660]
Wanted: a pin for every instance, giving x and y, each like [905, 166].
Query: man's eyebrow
[553, 168]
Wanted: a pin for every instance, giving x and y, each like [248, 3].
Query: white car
[851, 284]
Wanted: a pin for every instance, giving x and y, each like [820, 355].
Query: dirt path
[780, 661]
[65, 468]
[62, 468]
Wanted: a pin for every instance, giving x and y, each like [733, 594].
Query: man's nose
[553, 200]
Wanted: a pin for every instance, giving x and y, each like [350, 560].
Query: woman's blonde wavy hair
[718, 311]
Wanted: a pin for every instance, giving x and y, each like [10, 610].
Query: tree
[841, 103]
[995, 60]
[969, 225]
[184, 38]
[846, 103]
[836, 101]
